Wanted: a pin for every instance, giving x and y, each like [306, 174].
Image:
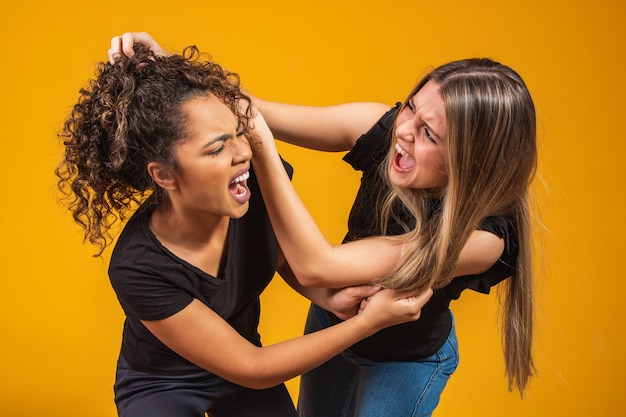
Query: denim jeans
[352, 386]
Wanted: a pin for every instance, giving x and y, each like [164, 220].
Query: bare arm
[480, 252]
[313, 259]
[343, 302]
[326, 128]
[204, 338]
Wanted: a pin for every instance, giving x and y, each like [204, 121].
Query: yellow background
[59, 319]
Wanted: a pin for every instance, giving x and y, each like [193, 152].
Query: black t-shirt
[424, 337]
[152, 283]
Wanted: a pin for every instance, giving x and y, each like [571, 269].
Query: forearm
[277, 363]
[291, 221]
[325, 128]
[316, 295]
[342, 302]
[204, 338]
[385, 308]
[312, 258]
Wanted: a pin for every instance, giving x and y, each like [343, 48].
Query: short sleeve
[370, 149]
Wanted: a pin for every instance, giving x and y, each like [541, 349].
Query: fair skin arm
[482, 250]
[343, 302]
[204, 338]
[324, 128]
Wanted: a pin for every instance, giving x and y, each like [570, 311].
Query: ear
[162, 175]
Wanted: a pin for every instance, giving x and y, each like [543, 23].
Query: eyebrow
[423, 122]
[220, 138]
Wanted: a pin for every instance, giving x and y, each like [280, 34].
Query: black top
[152, 283]
[424, 337]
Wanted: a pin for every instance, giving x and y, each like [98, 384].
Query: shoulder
[372, 146]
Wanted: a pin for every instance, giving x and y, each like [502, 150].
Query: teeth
[241, 191]
[401, 151]
[242, 177]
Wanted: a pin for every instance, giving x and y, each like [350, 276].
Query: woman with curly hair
[165, 143]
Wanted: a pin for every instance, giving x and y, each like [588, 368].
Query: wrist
[256, 102]
[364, 326]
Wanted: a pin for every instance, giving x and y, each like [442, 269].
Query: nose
[405, 131]
[243, 151]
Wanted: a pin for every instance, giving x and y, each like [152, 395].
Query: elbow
[311, 278]
[261, 384]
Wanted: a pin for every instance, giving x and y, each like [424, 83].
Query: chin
[240, 211]
[399, 180]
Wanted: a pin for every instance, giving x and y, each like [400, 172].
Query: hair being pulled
[131, 114]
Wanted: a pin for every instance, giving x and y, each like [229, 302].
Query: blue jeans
[352, 386]
[142, 394]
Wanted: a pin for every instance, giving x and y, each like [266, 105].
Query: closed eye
[241, 130]
[410, 105]
[428, 135]
[218, 150]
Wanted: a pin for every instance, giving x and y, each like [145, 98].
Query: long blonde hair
[491, 162]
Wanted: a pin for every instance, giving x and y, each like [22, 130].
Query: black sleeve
[501, 270]
[370, 149]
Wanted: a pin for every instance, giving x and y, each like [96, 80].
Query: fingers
[363, 291]
[128, 41]
[425, 296]
[116, 48]
[406, 304]
[124, 45]
[345, 302]
[363, 304]
[411, 296]
[415, 303]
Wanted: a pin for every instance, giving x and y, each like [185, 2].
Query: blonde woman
[447, 173]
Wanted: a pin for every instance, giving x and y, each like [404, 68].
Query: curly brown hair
[131, 114]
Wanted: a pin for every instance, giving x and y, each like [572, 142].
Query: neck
[199, 239]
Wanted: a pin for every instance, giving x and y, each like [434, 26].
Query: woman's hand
[265, 145]
[388, 307]
[123, 45]
[346, 302]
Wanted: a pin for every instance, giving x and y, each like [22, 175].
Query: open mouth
[402, 161]
[239, 187]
